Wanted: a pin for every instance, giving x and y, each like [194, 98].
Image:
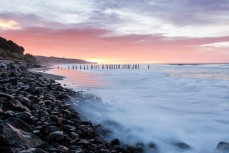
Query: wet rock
[104, 151]
[84, 142]
[43, 113]
[115, 142]
[63, 149]
[69, 128]
[6, 96]
[79, 150]
[15, 105]
[57, 136]
[57, 119]
[8, 113]
[74, 135]
[182, 145]
[15, 135]
[35, 106]
[223, 146]
[1, 111]
[28, 117]
[25, 101]
[30, 150]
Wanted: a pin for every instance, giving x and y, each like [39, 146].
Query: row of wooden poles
[107, 66]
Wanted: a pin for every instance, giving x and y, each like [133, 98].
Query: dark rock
[84, 142]
[223, 146]
[115, 142]
[15, 105]
[79, 150]
[74, 135]
[182, 145]
[14, 134]
[69, 128]
[8, 113]
[56, 136]
[6, 96]
[1, 111]
[43, 113]
[62, 149]
[30, 150]
[104, 151]
[27, 102]
[28, 117]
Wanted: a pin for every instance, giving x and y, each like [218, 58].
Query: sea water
[165, 105]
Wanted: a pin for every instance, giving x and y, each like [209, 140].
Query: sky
[120, 31]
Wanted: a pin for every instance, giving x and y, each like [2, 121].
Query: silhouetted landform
[181, 64]
[56, 60]
[11, 50]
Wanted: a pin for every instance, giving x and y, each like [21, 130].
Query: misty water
[165, 105]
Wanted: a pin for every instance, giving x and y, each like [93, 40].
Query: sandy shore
[43, 70]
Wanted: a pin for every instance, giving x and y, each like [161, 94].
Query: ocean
[177, 108]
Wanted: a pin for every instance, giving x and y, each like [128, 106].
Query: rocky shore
[36, 116]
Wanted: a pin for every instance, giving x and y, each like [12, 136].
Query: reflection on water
[79, 79]
[164, 105]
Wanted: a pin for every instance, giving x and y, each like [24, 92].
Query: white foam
[163, 105]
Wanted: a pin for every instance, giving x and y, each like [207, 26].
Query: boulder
[16, 135]
[223, 146]
[56, 136]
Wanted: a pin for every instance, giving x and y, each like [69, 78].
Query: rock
[104, 151]
[30, 150]
[43, 113]
[62, 149]
[8, 113]
[84, 142]
[15, 105]
[115, 142]
[74, 135]
[223, 146]
[27, 102]
[182, 145]
[15, 136]
[57, 136]
[28, 118]
[6, 96]
[69, 128]
[79, 150]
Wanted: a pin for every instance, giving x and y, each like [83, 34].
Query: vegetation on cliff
[11, 50]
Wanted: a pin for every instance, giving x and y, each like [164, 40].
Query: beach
[36, 115]
[168, 108]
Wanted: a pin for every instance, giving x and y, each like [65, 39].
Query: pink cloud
[89, 43]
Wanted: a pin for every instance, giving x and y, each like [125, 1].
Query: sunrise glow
[120, 31]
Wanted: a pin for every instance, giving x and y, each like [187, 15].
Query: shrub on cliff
[11, 50]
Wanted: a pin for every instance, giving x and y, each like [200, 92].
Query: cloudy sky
[120, 31]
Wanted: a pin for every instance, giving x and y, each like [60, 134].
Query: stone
[62, 149]
[74, 135]
[182, 145]
[43, 113]
[6, 96]
[115, 142]
[27, 102]
[30, 150]
[15, 136]
[28, 117]
[84, 142]
[104, 151]
[15, 105]
[57, 136]
[79, 150]
[223, 146]
[69, 128]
